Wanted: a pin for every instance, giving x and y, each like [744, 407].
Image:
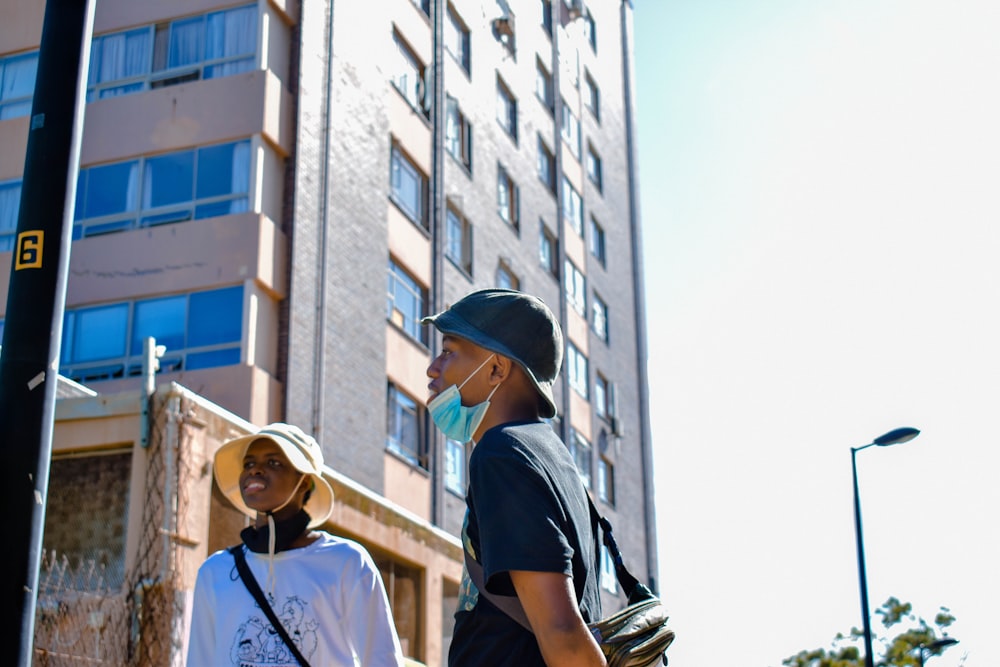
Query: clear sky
[820, 193]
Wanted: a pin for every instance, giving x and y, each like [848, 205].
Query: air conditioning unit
[574, 9]
[504, 25]
[616, 426]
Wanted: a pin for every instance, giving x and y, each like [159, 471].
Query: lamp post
[895, 437]
[935, 645]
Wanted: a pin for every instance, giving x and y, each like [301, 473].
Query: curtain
[230, 35]
[186, 41]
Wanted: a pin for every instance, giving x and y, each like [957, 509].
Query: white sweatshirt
[329, 596]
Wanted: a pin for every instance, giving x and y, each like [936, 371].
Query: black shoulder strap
[511, 605]
[251, 583]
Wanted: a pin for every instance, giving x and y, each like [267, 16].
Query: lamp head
[896, 437]
[944, 642]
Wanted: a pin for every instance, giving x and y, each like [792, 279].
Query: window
[605, 480]
[609, 580]
[546, 166]
[507, 197]
[576, 367]
[592, 96]
[199, 330]
[590, 30]
[174, 187]
[506, 279]
[197, 47]
[603, 402]
[597, 242]
[594, 168]
[576, 288]
[403, 427]
[599, 321]
[456, 39]
[458, 240]
[506, 109]
[572, 206]
[17, 84]
[548, 249]
[405, 302]
[571, 130]
[580, 450]
[543, 86]
[10, 206]
[458, 134]
[409, 187]
[408, 76]
[454, 466]
[547, 17]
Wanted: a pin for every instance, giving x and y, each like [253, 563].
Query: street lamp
[935, 645]
[895, 437]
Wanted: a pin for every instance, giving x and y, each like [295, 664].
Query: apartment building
[277, 191]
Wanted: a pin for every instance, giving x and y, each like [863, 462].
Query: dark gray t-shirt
[527, 510]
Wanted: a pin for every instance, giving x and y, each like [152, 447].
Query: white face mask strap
[290, 496]
[493, 392]
[473, 373]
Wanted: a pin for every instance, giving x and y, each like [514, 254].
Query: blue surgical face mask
[455, 420]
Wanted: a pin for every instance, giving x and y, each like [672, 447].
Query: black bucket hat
[514, 324]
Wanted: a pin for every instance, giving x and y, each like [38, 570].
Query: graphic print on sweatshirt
[257, 643]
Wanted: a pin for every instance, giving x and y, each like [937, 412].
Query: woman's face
[268, 480]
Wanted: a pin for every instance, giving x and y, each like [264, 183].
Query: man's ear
[500, 368]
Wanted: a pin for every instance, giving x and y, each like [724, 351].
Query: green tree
[898, 651]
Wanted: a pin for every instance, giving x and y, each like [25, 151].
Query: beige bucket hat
[303, 453]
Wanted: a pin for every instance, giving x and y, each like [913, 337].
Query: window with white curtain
[572, 206]
[17, 84]
[10, 204]
[407, 74]
[403, 427]
[576, 288]
[576, 367]
[458, 134]
[174, 187]
[199, 47]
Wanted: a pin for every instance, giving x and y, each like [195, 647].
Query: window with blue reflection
[215, 317]
[223, 170]
[168, 179]
[17, 84]
[214, 358]
[108, 190]
[163, 319]
[98, 333]
[10, 206]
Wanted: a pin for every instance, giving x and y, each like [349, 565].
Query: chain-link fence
[92, 609]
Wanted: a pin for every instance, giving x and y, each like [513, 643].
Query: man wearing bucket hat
[326, 591]
[527, 524]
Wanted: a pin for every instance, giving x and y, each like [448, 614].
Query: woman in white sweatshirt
[326, 591]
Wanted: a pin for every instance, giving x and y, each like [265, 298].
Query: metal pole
[36, 297]
[862, 577]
